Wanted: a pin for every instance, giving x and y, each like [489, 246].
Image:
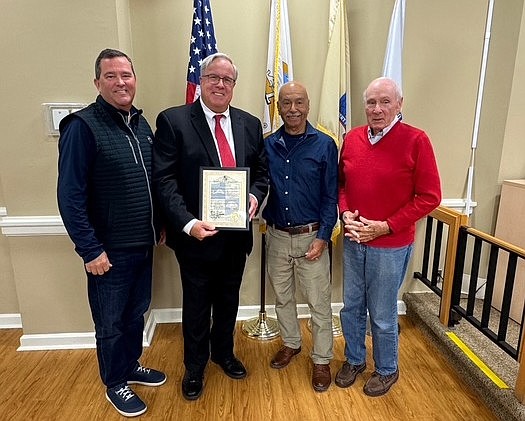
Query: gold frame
[224, 197]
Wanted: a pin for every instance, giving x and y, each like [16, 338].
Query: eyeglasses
[214, 80]
[292, 258]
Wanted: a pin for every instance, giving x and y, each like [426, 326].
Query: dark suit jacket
[183, 144]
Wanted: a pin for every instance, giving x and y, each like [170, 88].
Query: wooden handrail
[497, 241]
[455, 221]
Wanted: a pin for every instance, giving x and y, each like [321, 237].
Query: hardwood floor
[64, 385]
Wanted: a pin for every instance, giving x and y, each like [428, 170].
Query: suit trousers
[286, 267]
[209, 307]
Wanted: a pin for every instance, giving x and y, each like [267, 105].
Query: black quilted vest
[119, 198]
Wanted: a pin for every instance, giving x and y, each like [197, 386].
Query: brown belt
[300, 229]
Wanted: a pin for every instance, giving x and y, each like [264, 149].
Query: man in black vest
[105, 201]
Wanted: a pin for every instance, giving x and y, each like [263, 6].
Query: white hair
[392, 82]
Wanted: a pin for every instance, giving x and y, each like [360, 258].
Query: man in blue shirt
[301, 213]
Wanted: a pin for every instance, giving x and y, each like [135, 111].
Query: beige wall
[501, 76]
[49, 52]
[512, 164]
[8, 298]
[49, 49]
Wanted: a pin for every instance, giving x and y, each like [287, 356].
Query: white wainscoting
[24, 226]
[30, 226]
[458, 205]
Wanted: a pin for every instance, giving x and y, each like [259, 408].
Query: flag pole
[263, 327]
[279, 70]
[470, 181]
[334, 105]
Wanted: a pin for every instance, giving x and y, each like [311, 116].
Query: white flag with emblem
[279, 69]
[393, 65]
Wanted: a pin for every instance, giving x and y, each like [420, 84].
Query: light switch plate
[55, 112]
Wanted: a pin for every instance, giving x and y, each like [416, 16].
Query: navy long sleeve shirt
[303, 181]
[77, 155]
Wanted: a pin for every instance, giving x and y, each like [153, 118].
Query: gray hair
[208, 60]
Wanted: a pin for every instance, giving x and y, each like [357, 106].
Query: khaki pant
[287, 267]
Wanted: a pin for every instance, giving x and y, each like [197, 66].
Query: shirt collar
[310, 130]
[116, 113]
[211, 114]
[378, 136]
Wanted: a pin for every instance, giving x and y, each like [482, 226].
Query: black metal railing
[432, 256]
[489, 296]
[488, 314]
[439, 254]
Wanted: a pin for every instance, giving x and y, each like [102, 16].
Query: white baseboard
[86, 340]
[55, 341]
[10, 321]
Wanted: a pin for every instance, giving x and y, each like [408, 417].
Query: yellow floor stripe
[473, 357]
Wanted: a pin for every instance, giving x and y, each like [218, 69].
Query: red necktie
[225, 151]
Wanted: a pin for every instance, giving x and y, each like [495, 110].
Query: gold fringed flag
[334, 107]
[279, 69]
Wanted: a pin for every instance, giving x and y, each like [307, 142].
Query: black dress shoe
[192, 386]
[232, 367]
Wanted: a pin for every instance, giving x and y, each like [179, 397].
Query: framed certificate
[224, 197]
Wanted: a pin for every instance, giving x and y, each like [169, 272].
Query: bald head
[384, 83]
[292, 86]
[293, 106]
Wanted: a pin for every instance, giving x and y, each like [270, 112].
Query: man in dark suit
[211, 261]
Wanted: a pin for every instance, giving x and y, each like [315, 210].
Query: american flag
[202, 45]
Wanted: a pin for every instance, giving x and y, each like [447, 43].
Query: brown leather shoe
[283, 356]
[321, 377]
[348, 373]
[378, 385]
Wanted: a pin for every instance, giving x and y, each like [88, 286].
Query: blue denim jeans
[372, 278]
[118, 301]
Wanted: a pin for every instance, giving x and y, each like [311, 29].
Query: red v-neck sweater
[396, 180]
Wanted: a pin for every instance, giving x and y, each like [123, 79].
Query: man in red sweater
[388, 180]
